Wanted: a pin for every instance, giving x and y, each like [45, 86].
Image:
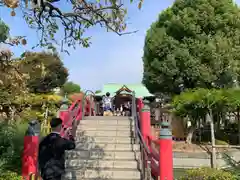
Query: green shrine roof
[140, 90]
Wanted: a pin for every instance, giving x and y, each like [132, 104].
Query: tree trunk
[218, 122]
[214, 158]
[190, 134]
[200, 130]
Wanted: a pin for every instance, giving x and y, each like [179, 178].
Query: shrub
[34, 105]
[9, 175]
[11, 140]
[220, 142]
[208, 174]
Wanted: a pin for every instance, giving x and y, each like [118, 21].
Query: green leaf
[193, 45]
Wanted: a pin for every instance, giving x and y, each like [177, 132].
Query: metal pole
[214, 158]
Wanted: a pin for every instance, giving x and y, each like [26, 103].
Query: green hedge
[208, 174]
[11, 146]
[9, 175]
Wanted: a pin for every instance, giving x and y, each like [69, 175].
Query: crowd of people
[109, 109]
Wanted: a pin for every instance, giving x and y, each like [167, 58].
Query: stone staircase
[104, 150]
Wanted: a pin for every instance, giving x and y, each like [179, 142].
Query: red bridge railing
[78, 109]
[156, 152]
[156, 162]
[71, 116]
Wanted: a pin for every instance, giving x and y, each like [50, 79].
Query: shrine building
[123, 92]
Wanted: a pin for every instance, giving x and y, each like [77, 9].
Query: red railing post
[139, 106]
[64, 112]
[145, 121]
[30, 150]
[165, 152]
[79, 111]
[64, 115]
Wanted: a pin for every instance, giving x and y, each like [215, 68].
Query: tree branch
[48, 17]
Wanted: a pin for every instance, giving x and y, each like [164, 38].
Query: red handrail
[69, 115]
[161, 157]
[150, 140]
[154, 155]
[74, 112]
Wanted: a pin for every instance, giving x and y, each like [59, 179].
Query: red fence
[30, 152]
[161, 149]
[74, 112]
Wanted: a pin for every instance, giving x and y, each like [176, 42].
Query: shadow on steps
[85, 158]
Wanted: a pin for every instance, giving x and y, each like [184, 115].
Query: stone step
[104, 150]
[99, 174]
[105, 122]
[93, 127]
[102, 139]
[107, 155]
[81, 165]
[103, 133]
[106, 118]
[107, 147]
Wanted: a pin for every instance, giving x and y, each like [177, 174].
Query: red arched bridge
[109, 147]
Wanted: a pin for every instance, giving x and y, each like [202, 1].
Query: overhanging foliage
[71, 18]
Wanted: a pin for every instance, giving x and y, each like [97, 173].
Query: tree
[45, 71]
[11, 81]
[97, 91]
[197, 105]
[194, 43]
[6, 38]
[48, 18]
[4, 31]
[70, 88]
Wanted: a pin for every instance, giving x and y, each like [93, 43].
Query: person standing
[107, 105]
[52, 149]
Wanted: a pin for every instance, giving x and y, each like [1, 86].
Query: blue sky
[110, 59]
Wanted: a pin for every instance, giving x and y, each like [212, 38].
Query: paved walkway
[203, 159]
